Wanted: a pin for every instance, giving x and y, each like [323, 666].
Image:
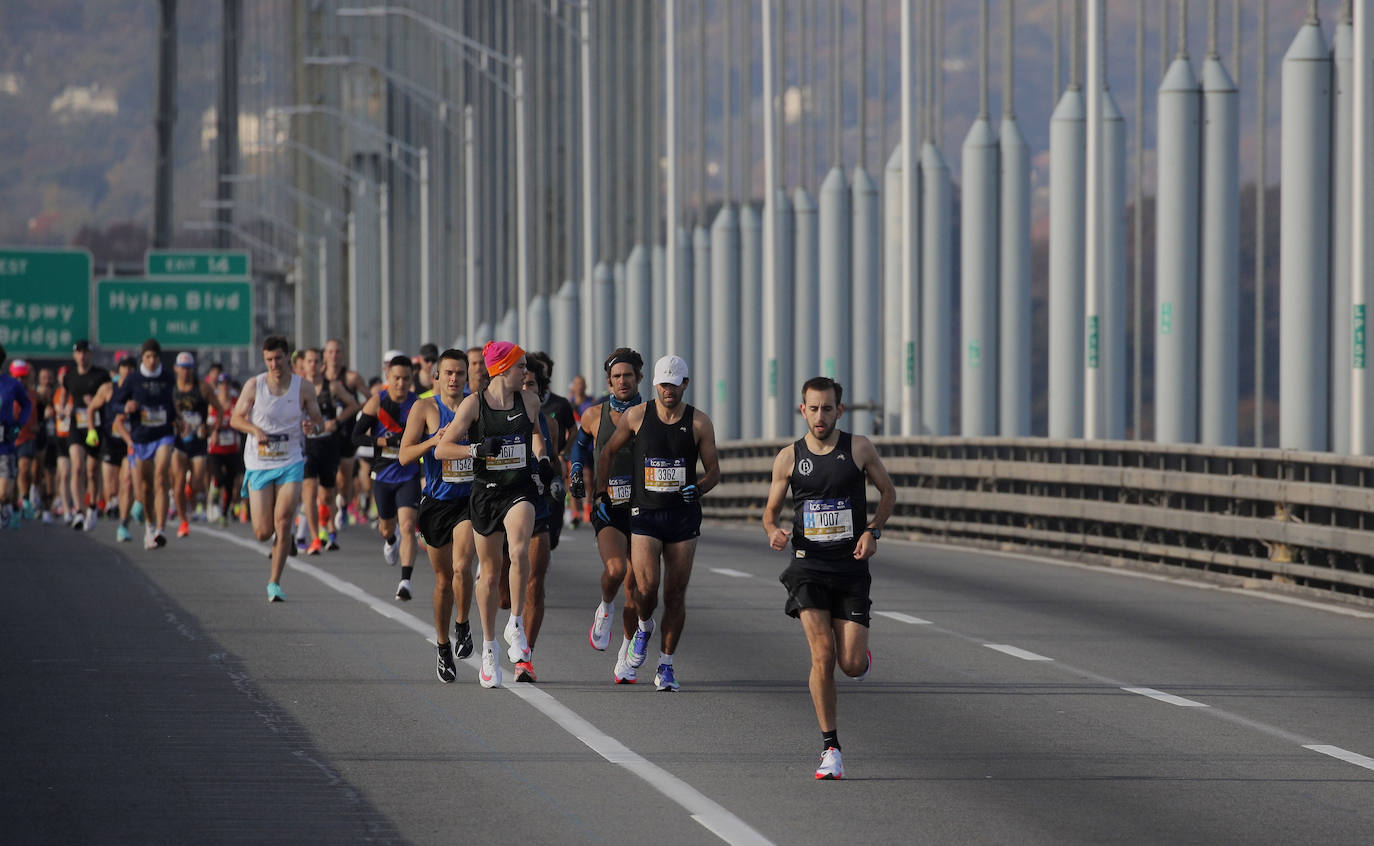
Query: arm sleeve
[582, 448]
[362, 431]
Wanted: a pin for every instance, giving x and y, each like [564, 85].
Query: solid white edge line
[1166, 697]
[1343, 754]
[709, 814]
[734, 574]
[903, 618]
[1016, 652]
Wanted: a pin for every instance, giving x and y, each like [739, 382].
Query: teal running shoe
[122, 534]
[136, 511]
[274, 593]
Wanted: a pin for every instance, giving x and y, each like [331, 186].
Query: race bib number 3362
[665, 475]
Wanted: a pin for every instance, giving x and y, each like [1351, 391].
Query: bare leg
[677, 572]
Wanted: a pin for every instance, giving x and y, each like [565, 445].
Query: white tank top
[280, 417]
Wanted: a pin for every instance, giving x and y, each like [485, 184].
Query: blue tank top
[451, 479]
[391, 420]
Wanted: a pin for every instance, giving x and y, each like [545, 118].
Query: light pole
[485, 54]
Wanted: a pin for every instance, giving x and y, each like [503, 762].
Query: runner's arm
[367, 422]
[310, 404]
[583, 449]
[706, 450]
[243, 408]
[777, 490]
[413, 443]
[348, 404]
[462, 421]
[866, 456]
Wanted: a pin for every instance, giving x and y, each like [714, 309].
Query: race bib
[228, 437]
[457, 471]
[391, 452]
[82, 419]
[193, 419]
[665, 475]
[273, 447]
[512, 455]
[620, 490]
[827, 520]
[151, 417]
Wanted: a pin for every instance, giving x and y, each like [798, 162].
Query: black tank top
[830, 505]
[192, 411]
[665, 460]
[621, 473]
[512, 467]
[329, 409]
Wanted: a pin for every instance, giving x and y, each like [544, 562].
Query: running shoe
[274, 593]
[389, 551]
[490, 675]
[600, 635]
[91, 515]
[524, 672]
[832, 766]
[333, 543]
[136, 511]
[462, 633]
[290, 550]
[664, 679]
[122, 534]
[28, 509]
[340, 520]
[14, 518]
[5, 516]
[315, 547]
[403, 590]
[624, 673]
[159, 538]
[149, 539]
[868, 655]
[78, 523]
[446, 670]
[519, 647]
[183, 528]
[639, 647]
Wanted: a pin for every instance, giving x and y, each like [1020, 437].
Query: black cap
[82, 345]
[429, 352]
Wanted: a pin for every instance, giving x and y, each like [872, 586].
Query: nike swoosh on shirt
[512, 416]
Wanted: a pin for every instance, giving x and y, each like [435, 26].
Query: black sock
[406, 571]
[830, 740]
[391, 539]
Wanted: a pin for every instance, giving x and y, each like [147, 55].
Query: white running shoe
[149, 537]
[600, 635]
[403, 590]
[389, 551]
[624, 673]
[77, 522]
[490, 675]
[519, 647]
[91, 518]
[832, 766]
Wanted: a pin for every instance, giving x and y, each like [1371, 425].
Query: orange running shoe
[183, 529]
[316, 546]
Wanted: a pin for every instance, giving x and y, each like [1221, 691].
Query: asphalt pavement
[156, 697]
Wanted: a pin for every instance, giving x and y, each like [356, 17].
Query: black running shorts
[667, 525]
[322, 460]
[439, 517]
[489, 508]
[620, 520]
[391, 496]
[844, 595]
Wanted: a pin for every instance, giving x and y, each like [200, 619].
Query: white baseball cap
[186, 359]
[389, 355]
[670, 370]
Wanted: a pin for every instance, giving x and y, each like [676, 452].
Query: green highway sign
[178, 312]
[188, 264]
[45, 300]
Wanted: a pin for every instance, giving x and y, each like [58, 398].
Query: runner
[336, 371]
[15, 411]
[271, 411]
[624, 370]
[81, 384]
[322, 452]
[580, 402]
[194, 399]
[26, 443]
[116, 474]
[560, 413]
[426, 363]
[45, 465]
[665, 506]
[828, 580]
[395, 487]
[148, 396]
[499, 421]
[62, 432]
[478, 377]
[443, 516]
[225, 451]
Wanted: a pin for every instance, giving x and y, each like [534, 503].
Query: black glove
[556, 489]
[546, 472]
[487, 447]
[603, 507]
[577, 484]
[393, 439]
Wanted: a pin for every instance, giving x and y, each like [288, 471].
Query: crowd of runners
[466, 452]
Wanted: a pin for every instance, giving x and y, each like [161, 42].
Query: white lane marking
[903, 618]
[709, 814]
[1166, 697]
[1344, 754]
[1016, 652]
[734, 574]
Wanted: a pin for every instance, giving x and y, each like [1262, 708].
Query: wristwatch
[875, 532]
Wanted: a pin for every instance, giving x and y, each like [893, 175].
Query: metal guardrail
[1300, 519]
